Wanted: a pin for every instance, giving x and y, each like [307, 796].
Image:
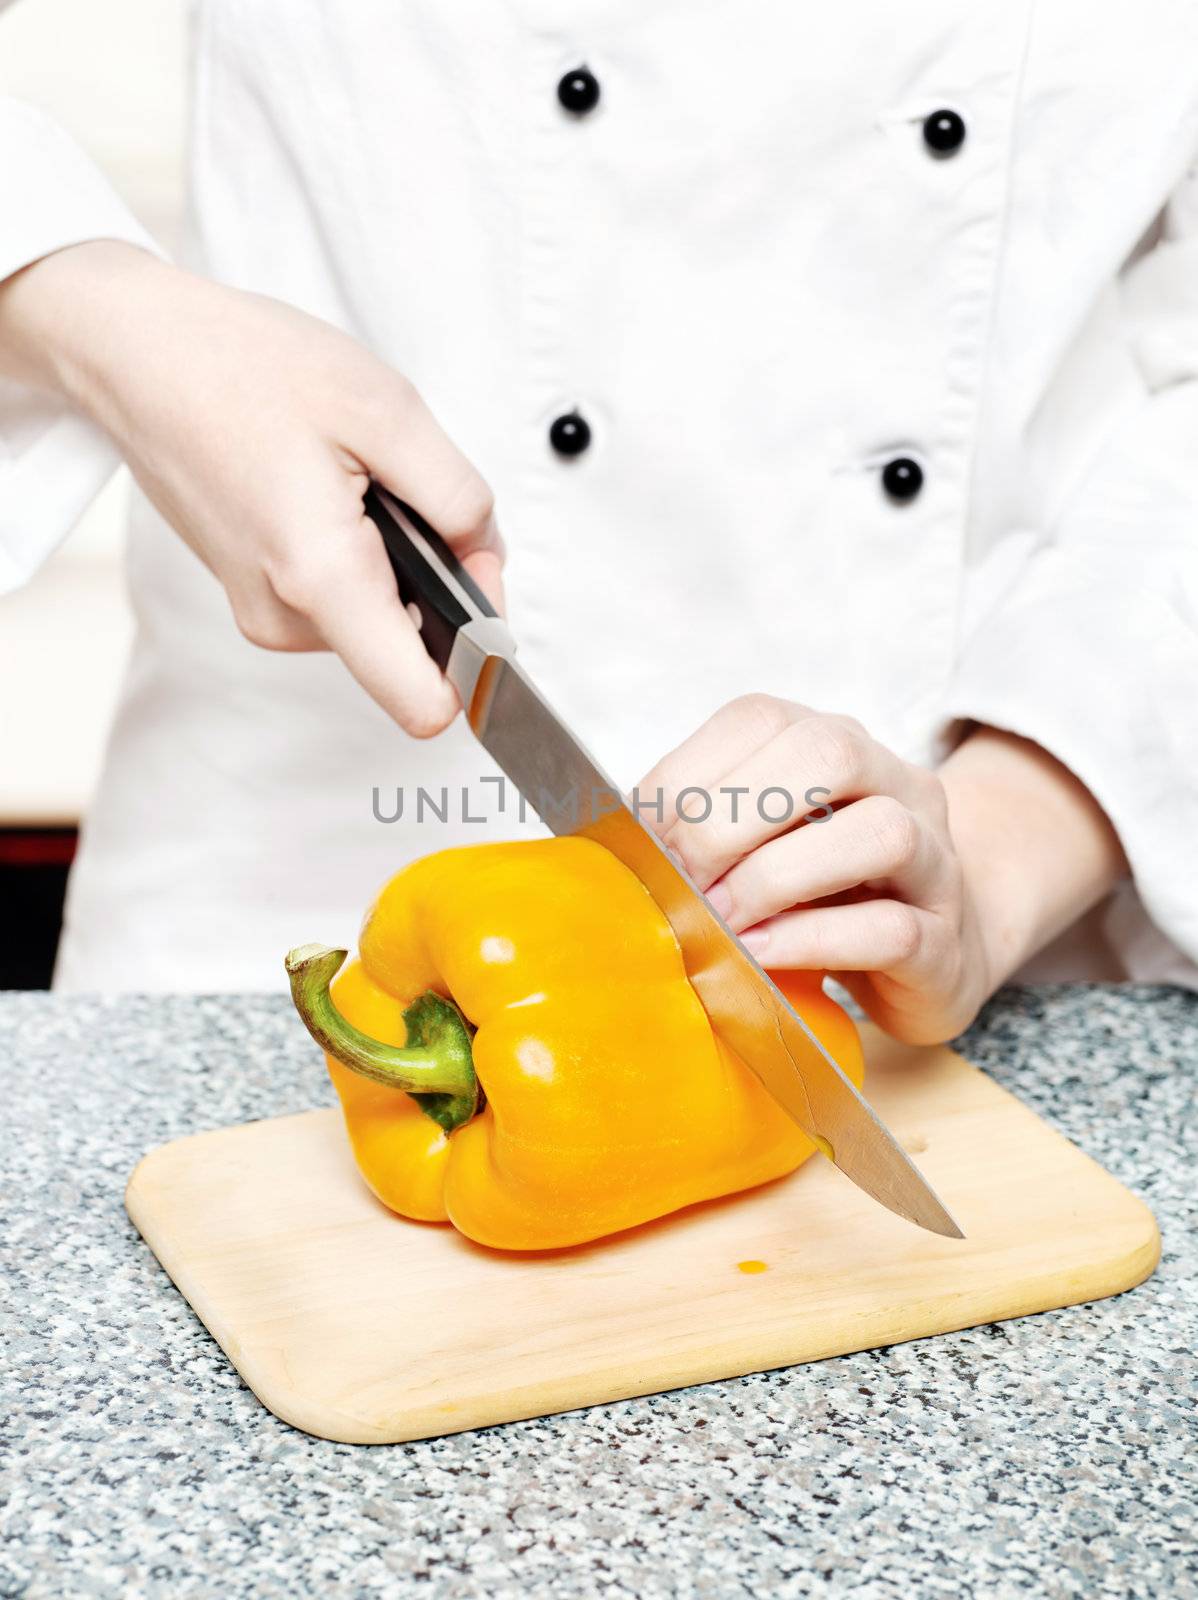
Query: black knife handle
[427, 573]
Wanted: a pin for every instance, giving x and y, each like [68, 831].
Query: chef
[831, 374]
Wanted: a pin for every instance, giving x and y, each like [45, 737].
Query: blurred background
[114, 75]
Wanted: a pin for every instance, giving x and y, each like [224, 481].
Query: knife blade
[573, 795]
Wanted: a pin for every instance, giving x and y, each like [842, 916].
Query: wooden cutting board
[355, 1325]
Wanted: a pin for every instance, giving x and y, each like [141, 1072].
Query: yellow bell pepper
[518, 1051]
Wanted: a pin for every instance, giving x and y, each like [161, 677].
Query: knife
[573, 795]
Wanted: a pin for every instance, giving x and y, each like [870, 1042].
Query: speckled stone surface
[1054, 1456]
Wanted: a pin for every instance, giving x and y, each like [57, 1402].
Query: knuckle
[384, 402]
[767, 712]
[895, 830]
[700, 848]
[688, 840]
[386, 407]
[298, 578]
[853, 726]
[829, 749]
[899, 931]
[754, 893]
[468, 509]
[398, 395]
[809, 940]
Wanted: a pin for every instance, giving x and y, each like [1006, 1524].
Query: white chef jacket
[751, 274]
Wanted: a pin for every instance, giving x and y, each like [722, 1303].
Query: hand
[874, 893]
[254, 429]
[920, 891]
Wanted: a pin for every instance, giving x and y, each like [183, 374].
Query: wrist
[61, 318]
[1035, 847]
[998, 897]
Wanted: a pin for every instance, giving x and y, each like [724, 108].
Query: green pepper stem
[435, 1066]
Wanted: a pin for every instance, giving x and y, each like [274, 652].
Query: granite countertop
[1052, 1456]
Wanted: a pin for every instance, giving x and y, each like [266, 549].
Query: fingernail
[720, 899]
[755, 940]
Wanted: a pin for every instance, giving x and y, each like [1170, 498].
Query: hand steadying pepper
[518, 1051]
[923, 891]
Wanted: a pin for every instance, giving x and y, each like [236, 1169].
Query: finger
[867, 936]
[410, 454]
[486, 568]
[266, 621]
[875, 843]
[818, 760]
[719, 746]
[354, 604]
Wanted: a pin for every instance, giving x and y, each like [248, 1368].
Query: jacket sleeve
[53, 461]
[1093, 650]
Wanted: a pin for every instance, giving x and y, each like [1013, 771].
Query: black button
[570, 435]
[902, 478]
[578, 91]
[944, 132]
